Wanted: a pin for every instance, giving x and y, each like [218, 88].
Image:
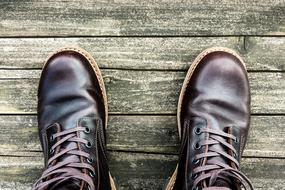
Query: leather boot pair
[213, 122]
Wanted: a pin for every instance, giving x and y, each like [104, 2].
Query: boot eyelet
[87, 130]
[90, 160]
[91, 174]
[194, 176]
[88, 144]
[197, 146]
[198, 131]
[236, 140]
[51, 151]
[196, 161]
[51, 138]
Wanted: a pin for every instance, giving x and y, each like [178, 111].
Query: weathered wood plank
[155, 134]
[140, 18]
[126, 53]
[264, 53]
[144, 53]
[138, 171]
[138, 91]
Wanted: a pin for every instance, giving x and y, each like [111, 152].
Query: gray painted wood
[150, 134]
[138, 91]
[265, 53]
[138, 171]
[141, 18]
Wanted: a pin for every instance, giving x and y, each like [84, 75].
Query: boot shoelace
[214, 170]
[70, 168]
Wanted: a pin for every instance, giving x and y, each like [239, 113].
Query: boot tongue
[70, 184]
[219, 181]
[222, 183]
[218, 159]
[217, 147]
[68, 157]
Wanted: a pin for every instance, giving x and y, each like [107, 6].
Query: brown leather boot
[213, 121]
[72, 118]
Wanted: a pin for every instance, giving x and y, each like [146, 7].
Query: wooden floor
[144, 49]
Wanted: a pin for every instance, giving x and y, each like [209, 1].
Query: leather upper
[69, 96]
[217, 97]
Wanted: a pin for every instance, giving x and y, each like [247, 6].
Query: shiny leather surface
[217, 96]
[69, 94]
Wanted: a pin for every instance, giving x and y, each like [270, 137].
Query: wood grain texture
[138, 171]
[150, 134]
[141, 18]
[140, 92]
[265, 53]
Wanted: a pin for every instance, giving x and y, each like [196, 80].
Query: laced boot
[72, 119]
[213, 122]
